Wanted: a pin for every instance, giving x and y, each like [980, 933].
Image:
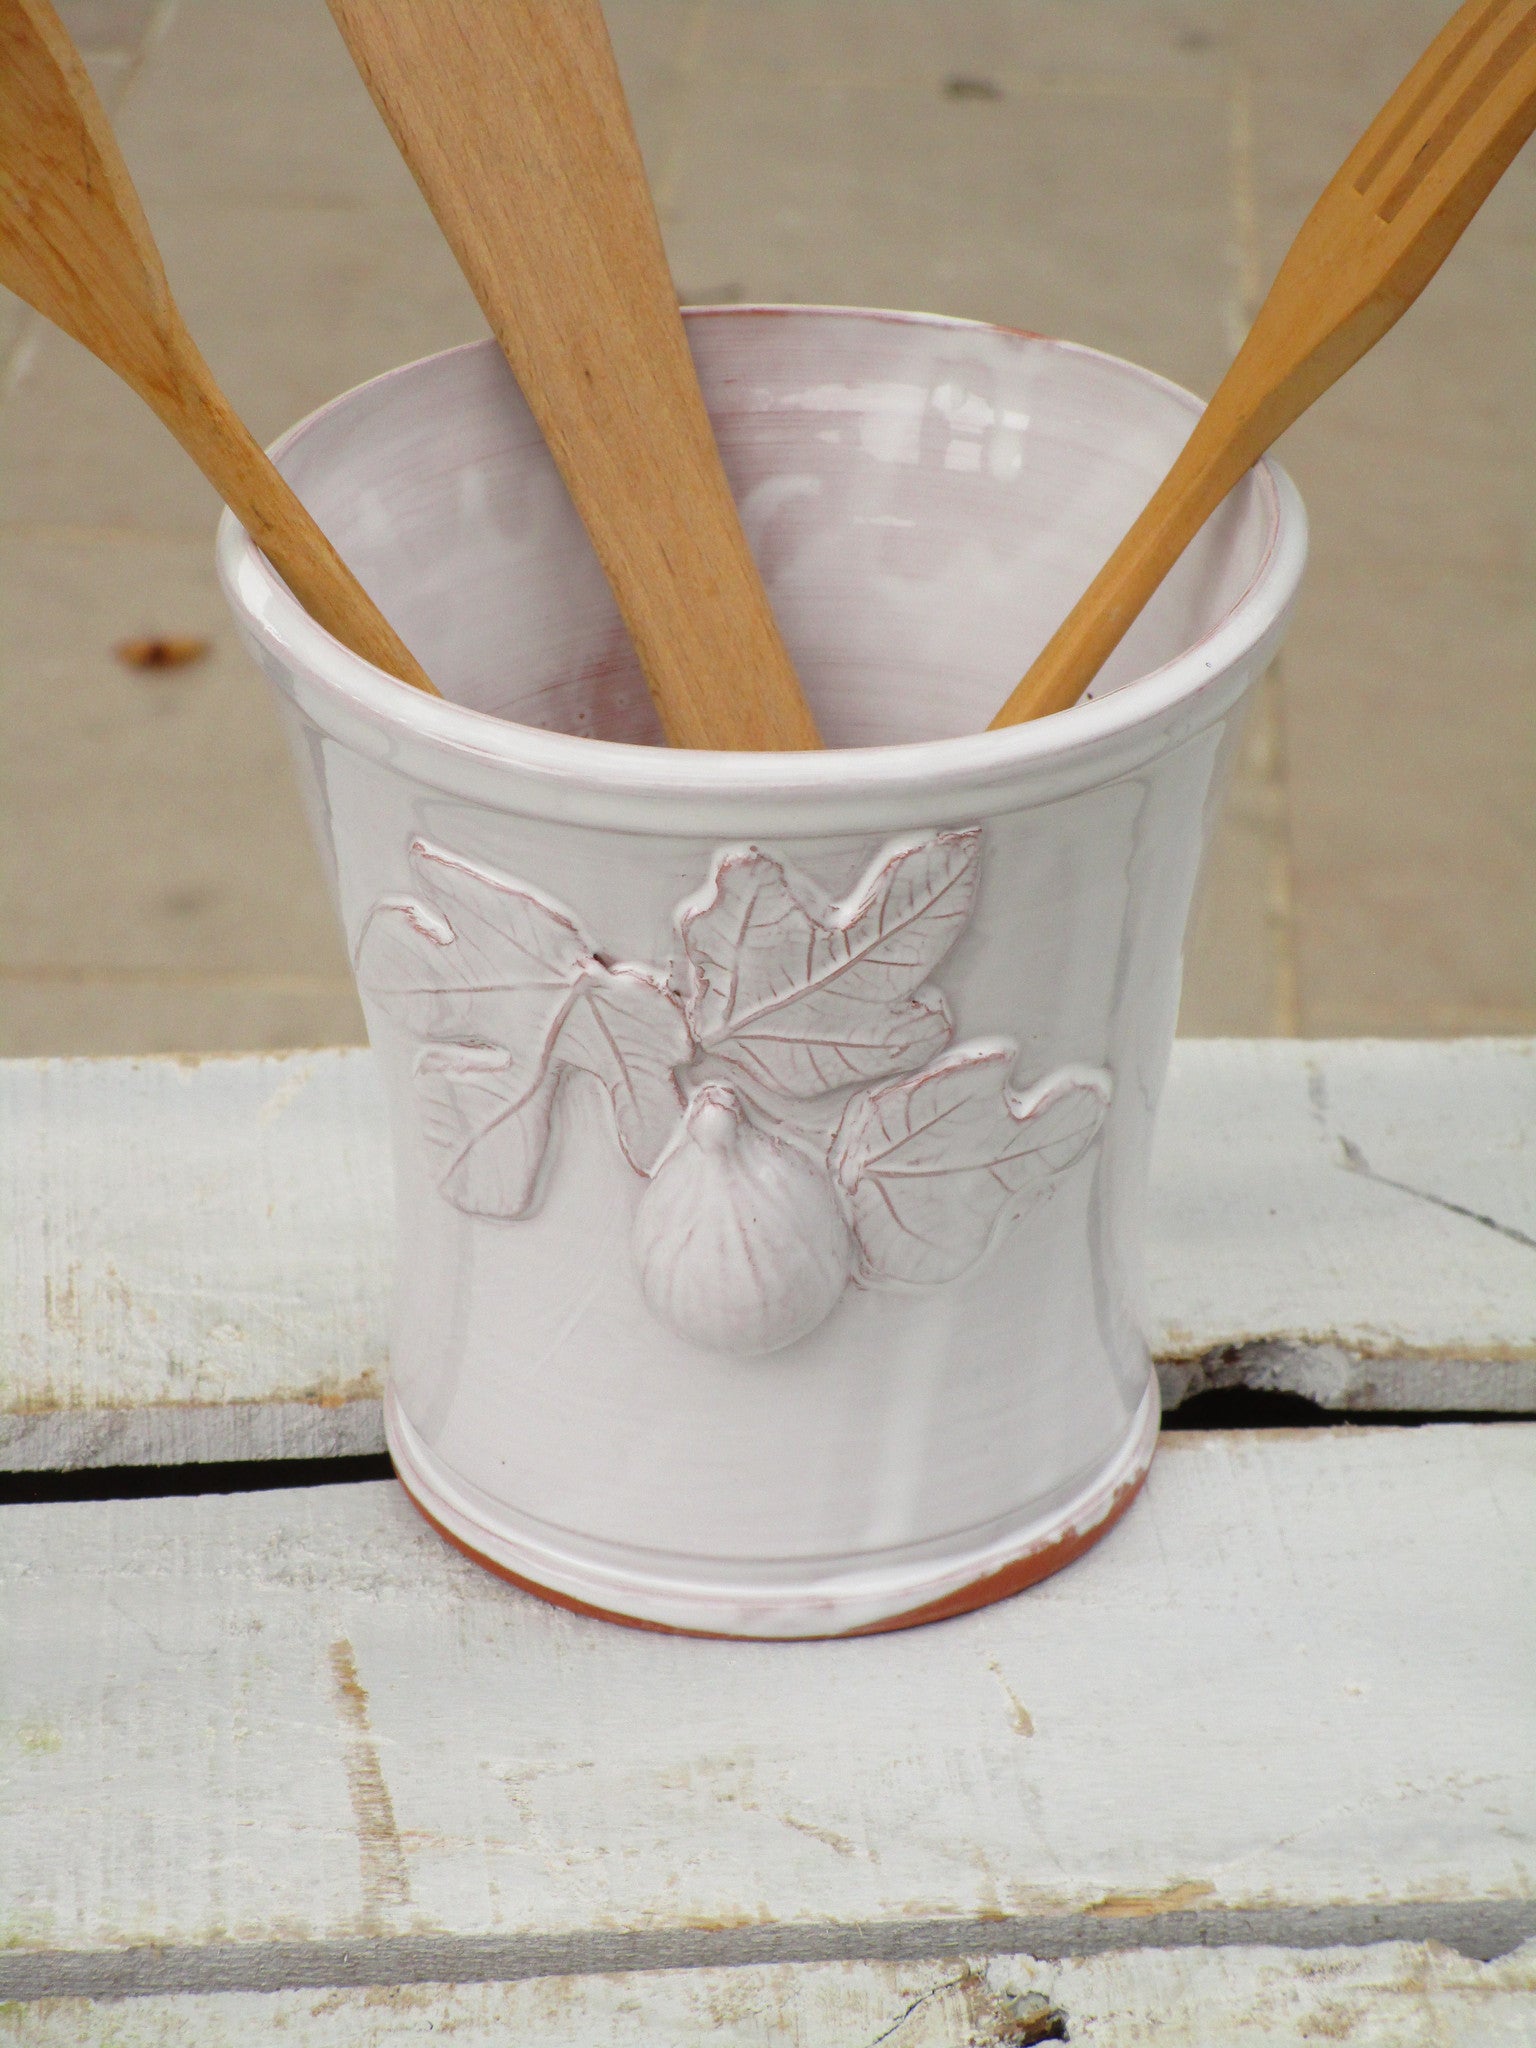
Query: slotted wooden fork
[1370, 245]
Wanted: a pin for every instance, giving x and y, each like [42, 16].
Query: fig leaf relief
[932, 1162]
[786, 1084]
[805, 996]
[509, 994]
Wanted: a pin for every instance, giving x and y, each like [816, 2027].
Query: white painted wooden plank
[200, 1249]
[1394, 1995]
[1357, 1219]
[200, 1259]
[279, 1738]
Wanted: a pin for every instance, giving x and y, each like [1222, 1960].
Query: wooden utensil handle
[269, 509]
[1264, 391]
[1207, 467]
[1380, 231]
[513, 121]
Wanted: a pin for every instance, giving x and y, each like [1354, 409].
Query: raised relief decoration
[787, 1087]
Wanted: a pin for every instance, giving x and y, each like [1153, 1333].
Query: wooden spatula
[1367, 249]
[74, 243]
[512, 118]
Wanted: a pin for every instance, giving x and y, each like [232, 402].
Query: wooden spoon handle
[512, 118]
[218, 441]
[74, 243]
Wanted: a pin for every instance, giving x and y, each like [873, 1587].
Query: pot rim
[294, 642]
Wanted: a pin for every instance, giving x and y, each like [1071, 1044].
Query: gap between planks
[1344, 1385]
[1480, 1930]
[1393, 1995]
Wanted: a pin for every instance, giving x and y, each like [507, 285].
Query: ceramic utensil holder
[771, 1131]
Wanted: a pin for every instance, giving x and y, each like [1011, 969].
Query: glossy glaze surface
[659, 1435]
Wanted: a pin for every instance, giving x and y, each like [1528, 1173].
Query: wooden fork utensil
[1367, 249]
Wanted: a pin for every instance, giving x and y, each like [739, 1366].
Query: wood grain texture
[200, 1249]
[1387, 221]
[1391, 1995]
[513, 121]
[289, 1737]
[74, 243]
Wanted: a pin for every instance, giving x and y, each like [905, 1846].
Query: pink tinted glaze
[561, 941]
[927, 498]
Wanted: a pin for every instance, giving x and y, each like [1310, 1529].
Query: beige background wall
[1126, 175]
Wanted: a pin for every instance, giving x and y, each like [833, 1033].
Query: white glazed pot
[771, 1131]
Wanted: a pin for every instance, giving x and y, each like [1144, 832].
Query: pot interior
[926, 499]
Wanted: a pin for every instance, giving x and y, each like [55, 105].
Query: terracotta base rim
[984, 1592]
[1044, 1557]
